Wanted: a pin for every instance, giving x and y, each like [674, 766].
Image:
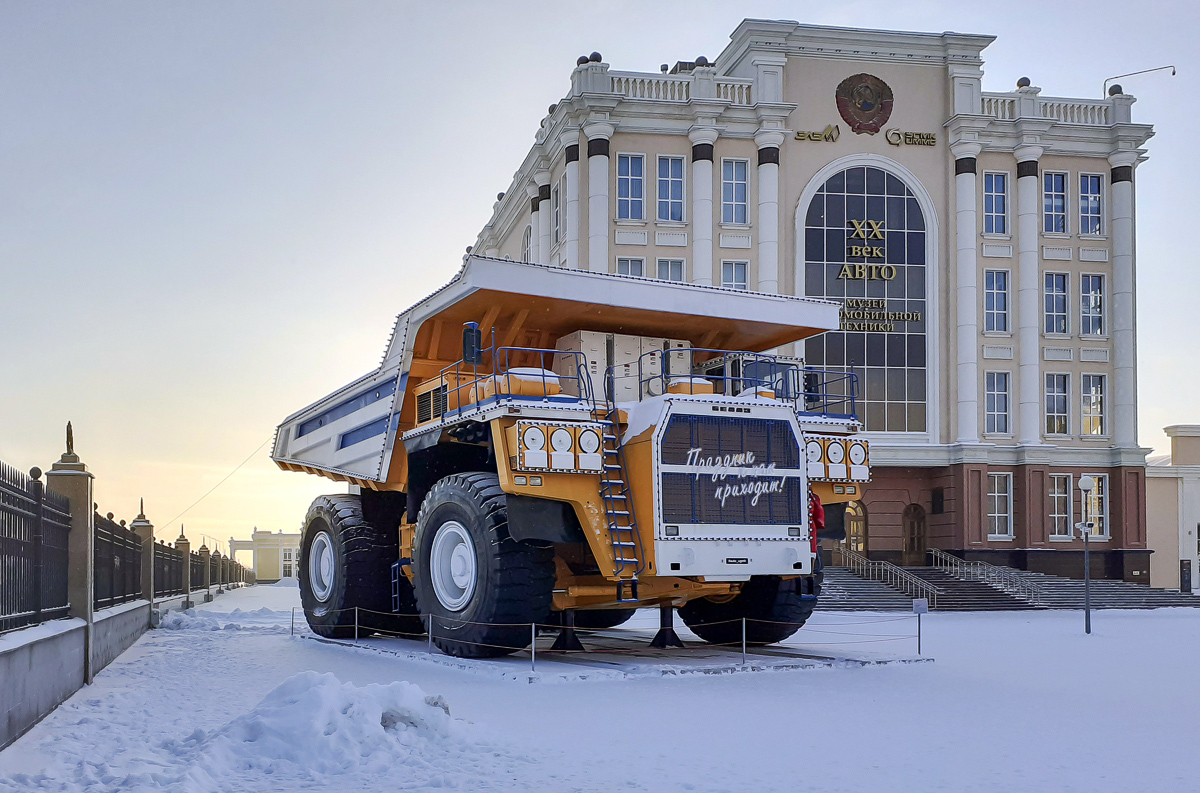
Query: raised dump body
[557, 446]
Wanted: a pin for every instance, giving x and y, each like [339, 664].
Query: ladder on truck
[614, 490]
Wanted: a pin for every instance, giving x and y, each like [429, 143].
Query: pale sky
[210, 213]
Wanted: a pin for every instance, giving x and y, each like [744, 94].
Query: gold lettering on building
[830, 134]
[899, 138]
[870, 272]
[869, 314]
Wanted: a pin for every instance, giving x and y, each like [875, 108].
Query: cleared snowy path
[1015, 701]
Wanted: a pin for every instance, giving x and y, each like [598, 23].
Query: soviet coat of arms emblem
[865, 102]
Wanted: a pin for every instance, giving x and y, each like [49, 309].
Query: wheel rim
[452, 566]
[320, 566]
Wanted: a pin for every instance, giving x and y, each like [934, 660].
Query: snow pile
[262, 619]
[287, 582]
[532, 374]
[314, 725]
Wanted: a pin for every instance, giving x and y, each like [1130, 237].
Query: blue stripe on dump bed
[360, 434]
[351, 405]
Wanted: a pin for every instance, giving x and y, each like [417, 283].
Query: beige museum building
[982, 245]
[276, 555]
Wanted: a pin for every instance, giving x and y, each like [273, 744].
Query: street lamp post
[1086, 485]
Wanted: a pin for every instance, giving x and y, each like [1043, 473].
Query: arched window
[527, 244]
[864, 246]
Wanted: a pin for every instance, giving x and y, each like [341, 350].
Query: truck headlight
[534, 438]
[589, 441]
[561, 440]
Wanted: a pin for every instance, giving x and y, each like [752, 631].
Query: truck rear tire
[346, 563]
[772, 607]
[481, 588]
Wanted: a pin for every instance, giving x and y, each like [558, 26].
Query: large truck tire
[772, 606]
[346, 563]
[480, 588]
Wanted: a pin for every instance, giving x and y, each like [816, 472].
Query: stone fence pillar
[184, 547]
[69, 477]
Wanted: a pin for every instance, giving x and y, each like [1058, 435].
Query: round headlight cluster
[561, 440]
[858, 453]
[836, 452]
[534, 438]
[589, 441]
[812, 450]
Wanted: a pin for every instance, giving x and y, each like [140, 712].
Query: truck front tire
[772, 606]
[346, 573]
[481, 588]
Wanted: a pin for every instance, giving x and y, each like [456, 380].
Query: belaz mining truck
[561, 447]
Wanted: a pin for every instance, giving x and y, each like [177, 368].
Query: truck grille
[729, 476]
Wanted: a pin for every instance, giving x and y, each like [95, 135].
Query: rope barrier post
[533, 647]
[918, 633]
[429, 634]
[293, 629]
[356, 623]
[743, 641]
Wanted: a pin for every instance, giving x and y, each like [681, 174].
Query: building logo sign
[829, 134]
[864, 102]
[898, 138]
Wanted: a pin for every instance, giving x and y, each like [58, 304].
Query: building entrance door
[856, 528]
[914, 536]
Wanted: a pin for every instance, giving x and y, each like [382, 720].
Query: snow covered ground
[227, 700]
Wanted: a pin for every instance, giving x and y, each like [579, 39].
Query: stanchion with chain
[429, 633]
[356, 624]
[533, 647]
[293, 630]
[743, 641]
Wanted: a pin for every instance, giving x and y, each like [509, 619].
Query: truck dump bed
[351, 434]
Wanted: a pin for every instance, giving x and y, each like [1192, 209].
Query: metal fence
[34, 529]
[118, 564]
[197, 573]
[168, 570]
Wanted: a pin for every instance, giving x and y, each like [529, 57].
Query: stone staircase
[960, 595]
[845, 591]
[1058, 592]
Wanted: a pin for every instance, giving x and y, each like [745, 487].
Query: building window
[670, 269]
[670, 189]
[631, 181]
[527, 244]
[1054, 203]
[733, 191]
[1091, 414]
[1090, 203]
[1055, 297]
[733, 275]
[555, 213]
[1056, 403]
[995, 203]
[287, 570]
[1095, 506]
[1091, 305]
[995, 301]
[889, 358]
[1060, 505]
[631, 266]
[997, 403]
[1000, 524]
[287, 554]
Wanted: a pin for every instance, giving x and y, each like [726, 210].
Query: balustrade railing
[887, 573]
[998, 577]
[668, 88]
[1089, 112]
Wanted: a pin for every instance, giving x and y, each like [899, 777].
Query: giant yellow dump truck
[561, 447]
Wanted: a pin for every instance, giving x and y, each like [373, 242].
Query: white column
[1124, 391]
[768, 142]
[1029, 315]
[967, 278]
[542, 229]
[535, 223]
[599, 225]
[702, 204]
[571, 201]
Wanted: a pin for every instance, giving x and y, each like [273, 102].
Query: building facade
[1173, 512]
[981, 245]
[276, 555]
